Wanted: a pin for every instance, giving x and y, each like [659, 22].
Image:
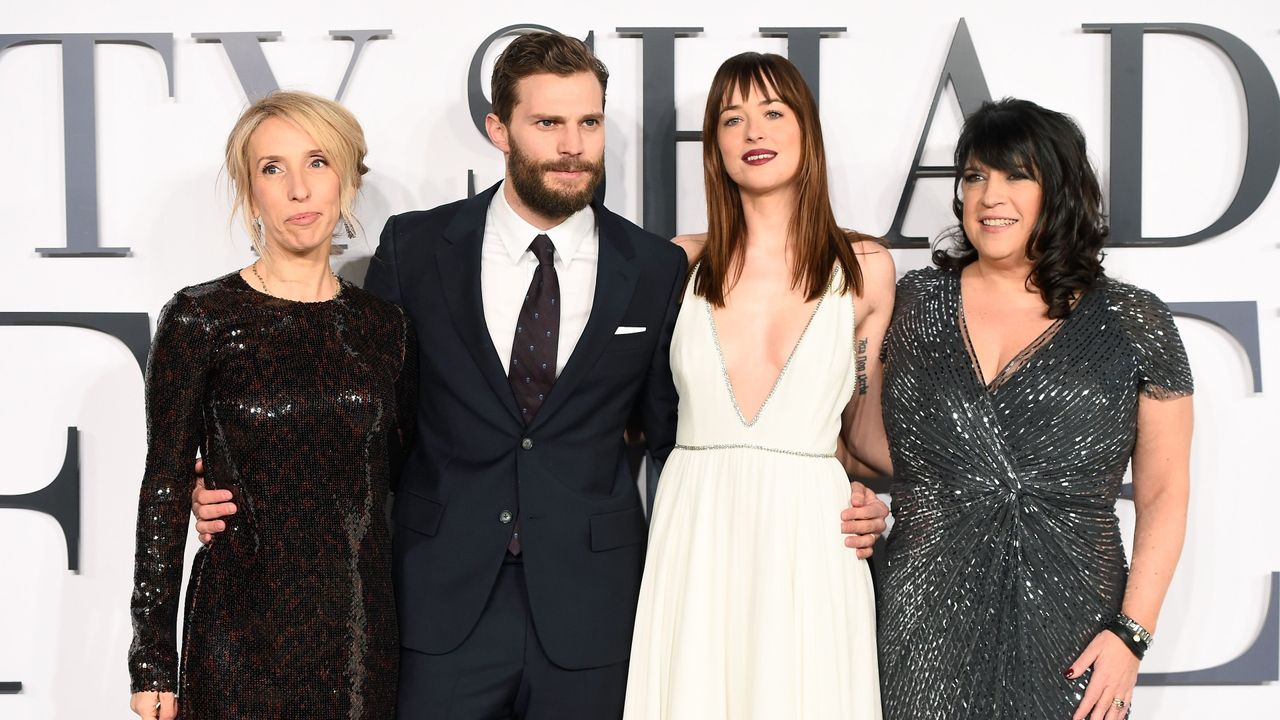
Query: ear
[497, 132]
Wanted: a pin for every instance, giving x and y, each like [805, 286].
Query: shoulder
[920, 283]
[649, 247]
[1126, 296]
[692, 245]
[415, 222]
[203, 297]
[1133, 306]
[382, 312]
[875, 261]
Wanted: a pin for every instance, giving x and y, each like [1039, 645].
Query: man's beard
[528, 180]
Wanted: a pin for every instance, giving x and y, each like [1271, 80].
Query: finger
[215, 511]
[1093, 700]
[872, 526]
[1082, 663]
[210, 527]
[205, 538]
[144, 704]
[1114, 712]
[200, 466]
[861, 511]
[210, 497]
[1102, 706]
[168, 706]
[859, 541]
[1089, 701]
[859, 494]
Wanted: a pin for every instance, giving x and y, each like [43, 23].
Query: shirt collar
[516, 233]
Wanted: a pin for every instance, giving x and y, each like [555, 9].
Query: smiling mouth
[758, 157]
[997, 222]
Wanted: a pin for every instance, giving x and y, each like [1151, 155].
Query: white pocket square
[628, 330]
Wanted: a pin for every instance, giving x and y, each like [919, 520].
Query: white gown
[751, 606]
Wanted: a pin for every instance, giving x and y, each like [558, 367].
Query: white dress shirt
[507, 267]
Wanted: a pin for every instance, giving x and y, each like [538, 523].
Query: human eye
[972, 176]
[545, 123]
[732, 120]
[591, 122]
[773, 114]
[271, 169]
[319, 161]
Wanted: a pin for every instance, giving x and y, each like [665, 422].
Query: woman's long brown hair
[817, 241]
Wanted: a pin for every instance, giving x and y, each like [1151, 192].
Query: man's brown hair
[535, 53]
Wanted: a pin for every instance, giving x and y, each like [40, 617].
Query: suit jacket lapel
[616, 276]
[458, 264]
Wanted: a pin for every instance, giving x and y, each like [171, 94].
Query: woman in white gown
[751, 605]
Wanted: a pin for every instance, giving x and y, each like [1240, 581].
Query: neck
[526, 213]
[298, 276]
[1006, 276]
[767, 217]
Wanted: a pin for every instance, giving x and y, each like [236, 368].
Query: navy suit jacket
[582, 527]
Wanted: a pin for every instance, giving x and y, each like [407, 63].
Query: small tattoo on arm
[860, 366]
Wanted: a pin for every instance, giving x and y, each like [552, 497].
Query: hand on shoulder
[692, 245]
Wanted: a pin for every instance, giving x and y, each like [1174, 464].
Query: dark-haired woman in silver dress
[1020, 381]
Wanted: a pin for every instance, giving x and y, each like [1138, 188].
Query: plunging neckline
[1020, 359]
[724, 366]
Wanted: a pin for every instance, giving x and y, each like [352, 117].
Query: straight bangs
[1005, 146]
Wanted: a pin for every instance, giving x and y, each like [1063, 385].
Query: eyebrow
[275, 158]
[766, 101]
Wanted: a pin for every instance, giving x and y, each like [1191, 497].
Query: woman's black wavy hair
[1065, 245]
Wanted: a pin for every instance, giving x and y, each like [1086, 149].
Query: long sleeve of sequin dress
[303, 412]
[1005, 557]
[175, 384]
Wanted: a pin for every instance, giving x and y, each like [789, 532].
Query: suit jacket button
[527, 444]
[504, 517]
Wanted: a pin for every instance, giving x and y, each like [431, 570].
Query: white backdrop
[63, 635]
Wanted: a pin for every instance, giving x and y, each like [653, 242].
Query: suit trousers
[501, 671]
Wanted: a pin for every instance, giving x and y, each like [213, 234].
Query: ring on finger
[1118, 703]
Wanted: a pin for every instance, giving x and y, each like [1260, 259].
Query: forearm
[1158, 537]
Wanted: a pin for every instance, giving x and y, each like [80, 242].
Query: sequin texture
[1005, 558]
[301, 410]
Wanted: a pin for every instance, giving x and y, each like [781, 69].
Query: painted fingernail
[1070, 673]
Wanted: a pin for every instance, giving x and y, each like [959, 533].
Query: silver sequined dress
[1005, 557]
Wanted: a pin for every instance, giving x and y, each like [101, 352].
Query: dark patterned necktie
[533, 352]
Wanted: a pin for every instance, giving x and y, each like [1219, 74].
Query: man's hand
[209, 505]
[863, 520]
[154, 706]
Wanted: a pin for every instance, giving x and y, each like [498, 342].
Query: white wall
[64, 635]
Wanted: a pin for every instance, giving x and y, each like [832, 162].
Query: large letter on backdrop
[963, 71]
[1262, 154]
[658, 147]
[79, 130]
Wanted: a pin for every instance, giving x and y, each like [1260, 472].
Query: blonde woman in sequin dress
[299, 390]
[751, 605]
[1020, 382]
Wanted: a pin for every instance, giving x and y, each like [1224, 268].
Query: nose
[994, 191]
[571, 140]
[299, 189]
[754, 130]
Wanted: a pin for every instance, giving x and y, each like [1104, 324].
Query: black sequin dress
[1005, 558]
[301, 410]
